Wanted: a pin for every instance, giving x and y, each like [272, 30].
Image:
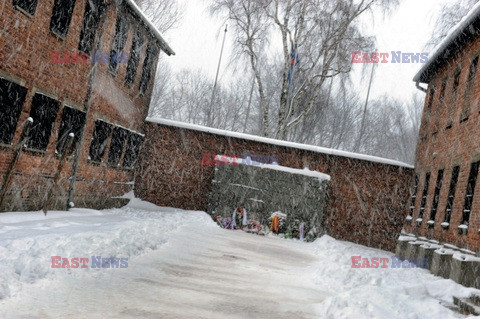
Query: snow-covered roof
[266, 140]
[164, 45]
[448, 46]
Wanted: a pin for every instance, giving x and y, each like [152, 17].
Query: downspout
[417, 85]
[88, 103]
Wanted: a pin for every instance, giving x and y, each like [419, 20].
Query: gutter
[421, 88]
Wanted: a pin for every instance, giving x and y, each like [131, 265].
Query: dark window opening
[436, 196]
[424, 195]
[473, 71]
[134, 58]
[100, 137]
[61, 17]
[44, 111]
[72, 122]
[28, 6]
[133, 148]
[119, 40]
[91, 20]
[12, 97]
[147, 67]
[116, 147]
[414, 195]
[472, 180]
[451, 193]
[470, 81]
[442, 93]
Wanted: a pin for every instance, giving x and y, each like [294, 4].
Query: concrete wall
[367, 200]
[263, 190]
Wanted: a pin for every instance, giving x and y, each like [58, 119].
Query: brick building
[445, 202]
[47, 49]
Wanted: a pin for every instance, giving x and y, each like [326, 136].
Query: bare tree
[450, 14]
[322, 32]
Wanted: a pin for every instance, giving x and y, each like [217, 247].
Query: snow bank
[29, 239]
[379, 292]
[260, 139]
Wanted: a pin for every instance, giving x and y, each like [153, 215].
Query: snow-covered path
[181, 265]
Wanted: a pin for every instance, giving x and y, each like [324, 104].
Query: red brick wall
[458, 145]
[26, 44]
[367, 200]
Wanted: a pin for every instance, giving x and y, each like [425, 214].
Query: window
[100, 137]
[451, 107]
[44, 111]
[28, 6]
[472, 180]
[12, 97]
[119, 40]
[61, 16]
[424, 195]
[438, 187]
[147, 67]
[414, 195]
[116, 147]
[451, 193]
[428, 112]
[134, 58]
[470, 81]
[72, 122]
[91, 20]
[133, 148]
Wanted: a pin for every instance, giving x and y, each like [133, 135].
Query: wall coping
[266, 140]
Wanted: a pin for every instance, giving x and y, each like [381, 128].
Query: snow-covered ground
[181, 265]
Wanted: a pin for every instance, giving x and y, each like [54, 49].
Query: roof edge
[266, 140]
[164, 45]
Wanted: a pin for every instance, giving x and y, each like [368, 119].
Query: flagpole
[216, 78]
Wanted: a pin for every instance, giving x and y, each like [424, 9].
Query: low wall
[367, 195]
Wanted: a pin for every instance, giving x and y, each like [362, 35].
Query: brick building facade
[367, 195]
[46, 73]
[445, 202]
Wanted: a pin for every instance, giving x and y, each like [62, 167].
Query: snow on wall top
[266, 140]
[276, 167]
[452, 34]
[165, 47]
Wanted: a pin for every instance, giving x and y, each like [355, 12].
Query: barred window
[424, 195]
[451, 193]
[116, 147]
[134, 58]
[133, 148]
[44, 111]
[119, 40]
[436, 195]
[12, 97]
[100, 137]
[72, 122]
[472, 180]
[147, 67]
[91, 20]
[414, 195]
[61, 16]
[28, 6]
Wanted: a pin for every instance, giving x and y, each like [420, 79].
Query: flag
[293, 63]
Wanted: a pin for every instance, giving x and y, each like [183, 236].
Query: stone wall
[367, 196]
[264, 189]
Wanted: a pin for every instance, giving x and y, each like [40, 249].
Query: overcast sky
[197, 44]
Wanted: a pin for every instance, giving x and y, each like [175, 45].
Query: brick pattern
[367, 201]
[443, 147]
[26, 43]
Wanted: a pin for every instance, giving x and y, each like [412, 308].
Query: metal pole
[93, 73]
[17, 152]
[216, 77]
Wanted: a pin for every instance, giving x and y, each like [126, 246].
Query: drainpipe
[88, 103]
[417, 85]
